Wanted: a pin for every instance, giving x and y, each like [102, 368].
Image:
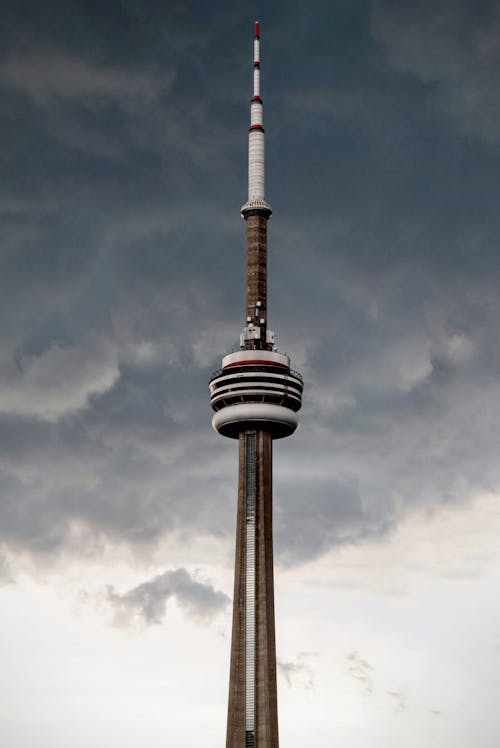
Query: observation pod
[257, 390]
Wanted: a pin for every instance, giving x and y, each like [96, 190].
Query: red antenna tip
[256, 29]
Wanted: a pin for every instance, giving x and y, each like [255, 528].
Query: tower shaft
[256, 275]
[252, 711]
[256, 229]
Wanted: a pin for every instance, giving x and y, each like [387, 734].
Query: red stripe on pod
[256, 29]
[256, 362]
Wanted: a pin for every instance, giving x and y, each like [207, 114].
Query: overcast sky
[124, 134]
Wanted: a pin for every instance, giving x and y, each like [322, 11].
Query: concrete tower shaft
[256, 275]
[253, 708]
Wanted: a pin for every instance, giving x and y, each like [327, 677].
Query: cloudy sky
[124, 136]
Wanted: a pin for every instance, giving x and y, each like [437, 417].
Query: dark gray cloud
[452, 47]
[121, 252]
[148, 601]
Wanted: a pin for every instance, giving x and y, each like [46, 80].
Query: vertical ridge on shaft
[266, 700]
[250, 589]
[235, 736]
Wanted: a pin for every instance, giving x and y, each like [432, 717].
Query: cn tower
[255, 396]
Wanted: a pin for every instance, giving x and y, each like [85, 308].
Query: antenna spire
[256, 143]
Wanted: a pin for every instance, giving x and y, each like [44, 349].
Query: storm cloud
[122, 258]
[148, 600]
[453, 48]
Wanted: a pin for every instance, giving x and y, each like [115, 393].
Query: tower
[255, 396]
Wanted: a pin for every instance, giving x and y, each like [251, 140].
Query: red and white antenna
[256, 142]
